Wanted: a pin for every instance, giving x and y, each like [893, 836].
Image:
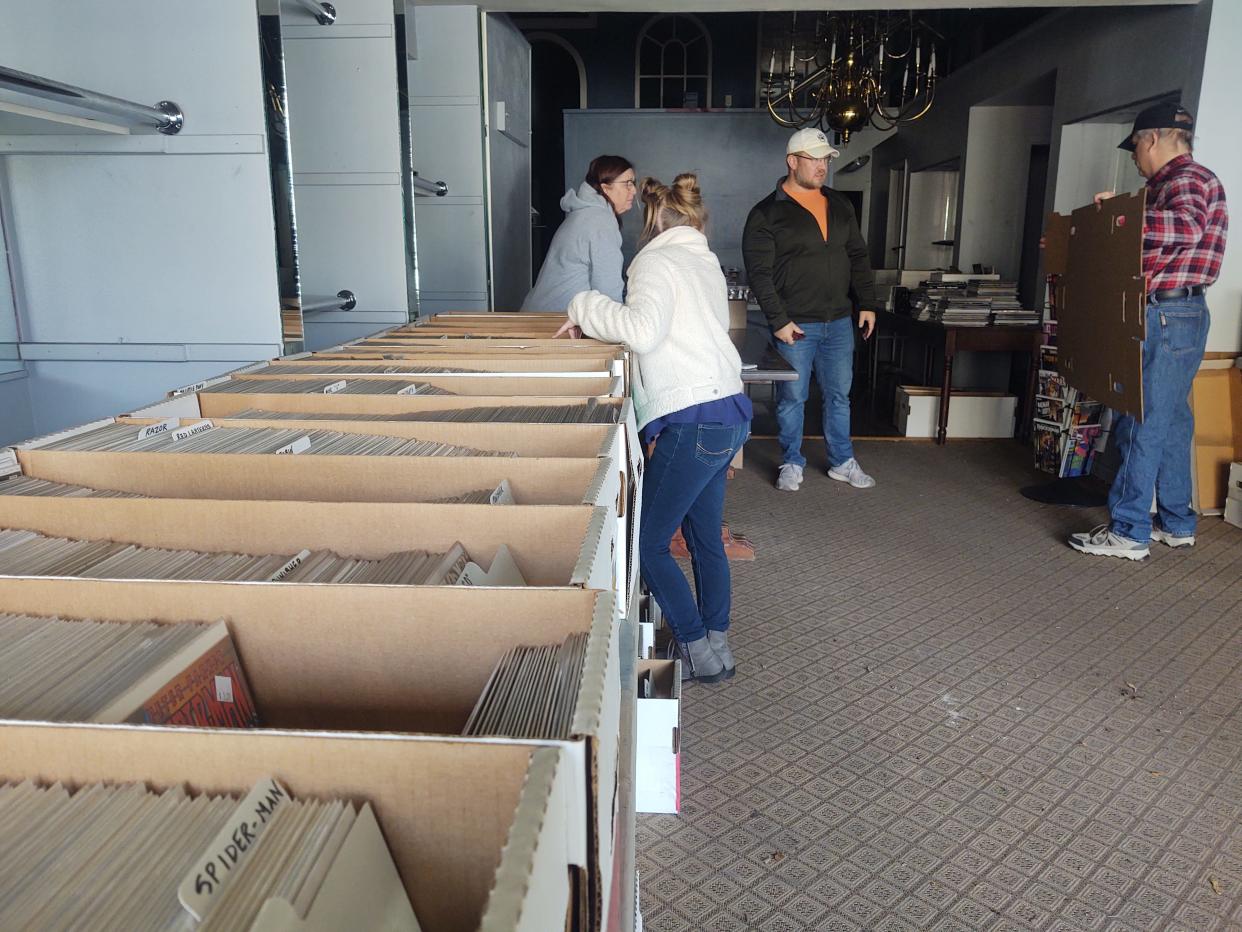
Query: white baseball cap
[813, 142]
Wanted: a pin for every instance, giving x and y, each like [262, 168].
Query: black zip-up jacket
[797, 275]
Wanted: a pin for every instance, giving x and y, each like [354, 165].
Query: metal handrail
[165, 116]
[438, 188]
[343, 300]
[323, 11]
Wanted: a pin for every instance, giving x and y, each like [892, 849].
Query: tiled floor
[945, 719]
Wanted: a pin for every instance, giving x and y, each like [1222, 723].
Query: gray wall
[446, 115]
[994, 184]
[144, 247]
[1219, 146]
[345, 141]
[738, 155]
[1103, 58]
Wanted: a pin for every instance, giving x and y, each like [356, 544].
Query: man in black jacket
[808, 268]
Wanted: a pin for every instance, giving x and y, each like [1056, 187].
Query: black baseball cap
[1167, 115]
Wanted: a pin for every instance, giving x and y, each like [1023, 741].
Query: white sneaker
[790, 478]
[1102, 542]
[1172, 540]
[851, 472]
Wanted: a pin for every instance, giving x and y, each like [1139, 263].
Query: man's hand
[569, 327]
[1103, 196]
[786, 333]
[866, 323]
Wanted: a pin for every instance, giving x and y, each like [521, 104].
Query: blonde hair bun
[677, 206]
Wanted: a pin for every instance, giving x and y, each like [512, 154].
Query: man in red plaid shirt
[1184, 231]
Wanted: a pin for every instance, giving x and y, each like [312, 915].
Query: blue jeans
[828, 350]
[1155, 454]
[685, 487]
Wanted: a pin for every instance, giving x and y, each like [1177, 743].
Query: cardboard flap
[589, 710]
[532, 880]
[596, 556]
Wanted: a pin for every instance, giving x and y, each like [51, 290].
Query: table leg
[946, 386]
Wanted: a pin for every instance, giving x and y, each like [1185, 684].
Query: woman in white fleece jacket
[689, 400]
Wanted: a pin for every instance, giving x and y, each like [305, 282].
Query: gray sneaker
[1172, 540]
[1102, 542]
[790, 478]
[719, 640]
[698, 661]
[851, 472]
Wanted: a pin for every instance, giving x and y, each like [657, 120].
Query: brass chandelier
[851, 70]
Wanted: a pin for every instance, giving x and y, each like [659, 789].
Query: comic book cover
[209, 692]
[1047, 437]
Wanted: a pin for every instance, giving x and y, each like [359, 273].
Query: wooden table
[953, 340]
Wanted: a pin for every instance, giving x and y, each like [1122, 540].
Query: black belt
[1176, 294]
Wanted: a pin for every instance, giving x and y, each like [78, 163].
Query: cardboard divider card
[502, 495]
[168, 426]
[334, 387]
[234, 843]
[293, 564]
[301, 445]
[191, 430]
[503, 572]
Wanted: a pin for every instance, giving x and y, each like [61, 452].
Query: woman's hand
[569, 327]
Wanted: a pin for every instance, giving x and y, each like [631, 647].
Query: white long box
[971, 414]
[657, 769]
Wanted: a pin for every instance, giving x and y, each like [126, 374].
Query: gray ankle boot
[719, 640]
[704, 665]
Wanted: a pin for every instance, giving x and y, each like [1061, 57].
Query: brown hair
[678, 205]
[605, 169]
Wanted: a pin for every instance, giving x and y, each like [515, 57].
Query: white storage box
[1233, 499]
[971, 414]
[657, 774]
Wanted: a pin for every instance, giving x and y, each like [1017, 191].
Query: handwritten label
[410, 389]
[233, 845]
[301, 445]
[188, 389]
[503, 494]
[224, 689]
[198, 427]
[335, 387]
[163, 427]
[289, 567]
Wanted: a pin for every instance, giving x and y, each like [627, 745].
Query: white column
[1218, 142]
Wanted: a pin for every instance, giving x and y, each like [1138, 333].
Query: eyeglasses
[822, 160]
[628, 184]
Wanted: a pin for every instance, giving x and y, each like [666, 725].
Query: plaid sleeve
[1181, 218]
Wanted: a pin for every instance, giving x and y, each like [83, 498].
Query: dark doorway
[1030, 290]
[555, 86]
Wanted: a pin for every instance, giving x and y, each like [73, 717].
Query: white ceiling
[747, 6]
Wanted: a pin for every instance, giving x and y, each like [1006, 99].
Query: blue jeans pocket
[715, 444]
[1180, 331]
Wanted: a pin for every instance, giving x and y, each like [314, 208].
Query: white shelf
[21, 120]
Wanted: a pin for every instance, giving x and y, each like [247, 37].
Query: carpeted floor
[945, 719]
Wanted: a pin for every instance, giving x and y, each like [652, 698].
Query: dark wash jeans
[685, 487]
[1155, 454]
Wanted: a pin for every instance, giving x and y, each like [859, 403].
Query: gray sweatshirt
[585, 254]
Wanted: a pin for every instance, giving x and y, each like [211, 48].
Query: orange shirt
[814, 201]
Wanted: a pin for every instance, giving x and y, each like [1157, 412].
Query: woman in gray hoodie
[585, 253]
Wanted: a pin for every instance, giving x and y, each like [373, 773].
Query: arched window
[673, 63]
